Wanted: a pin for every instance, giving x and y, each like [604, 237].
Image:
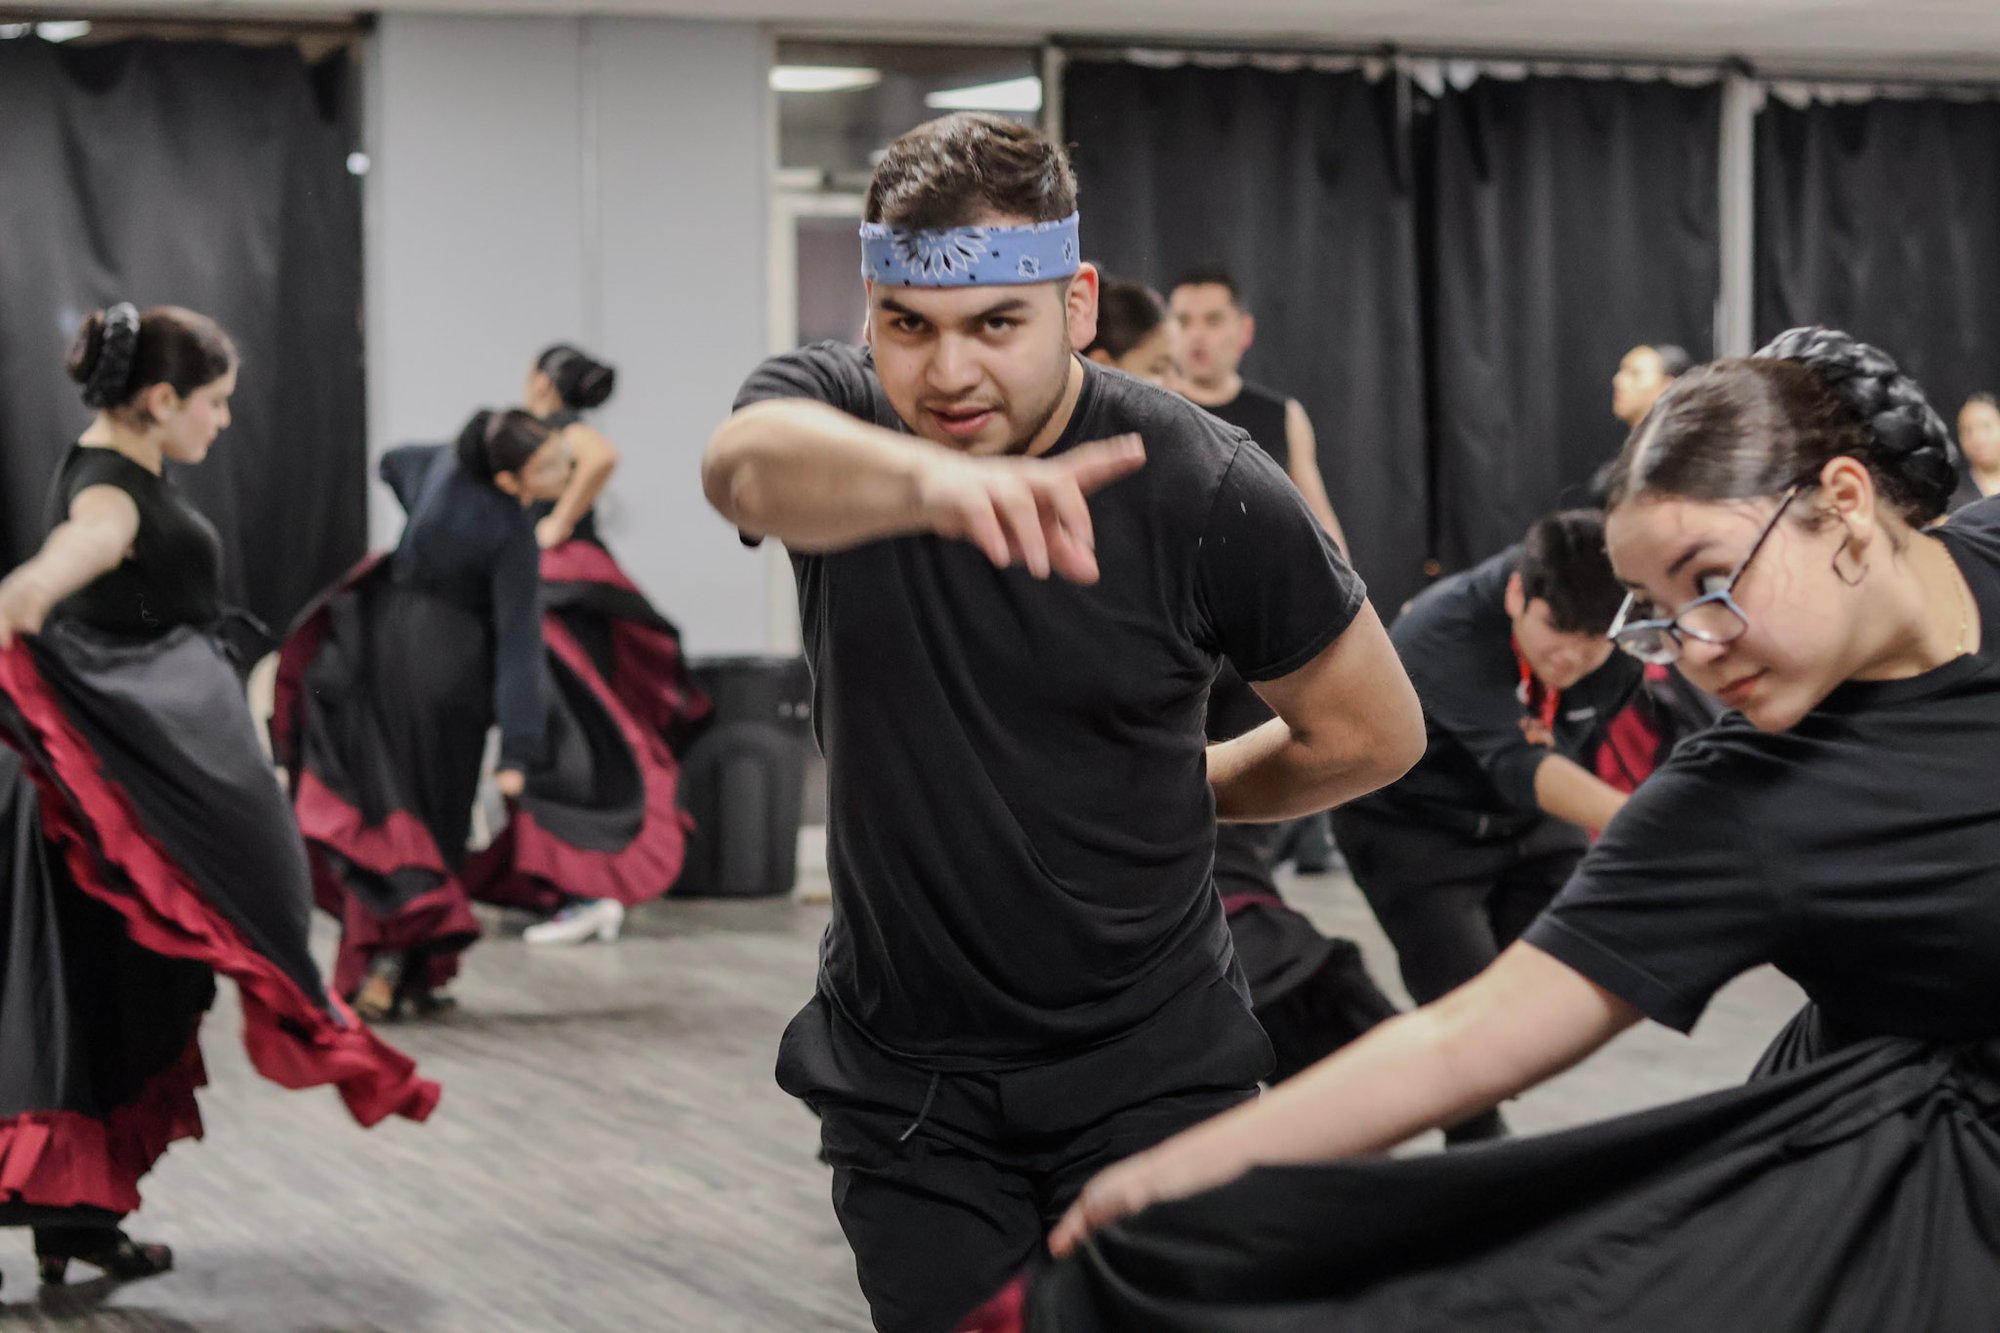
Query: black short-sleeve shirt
[1456, 641]
[1859, 851]
[1020, 824]
[173, 575]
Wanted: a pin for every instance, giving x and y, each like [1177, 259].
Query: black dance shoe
[429, 1003]
[380, 999]
[107, 1248]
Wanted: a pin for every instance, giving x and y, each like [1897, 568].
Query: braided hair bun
[101, 357]
[1913, 442]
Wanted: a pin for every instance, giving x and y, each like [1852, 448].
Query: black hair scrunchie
[117, 348]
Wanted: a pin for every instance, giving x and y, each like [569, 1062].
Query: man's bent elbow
[724, 477]
[1402, 741]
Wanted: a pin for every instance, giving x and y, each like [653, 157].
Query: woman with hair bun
[564, 383]
[387, 687]
[587, 839]
[144, 848]
[1771, 521]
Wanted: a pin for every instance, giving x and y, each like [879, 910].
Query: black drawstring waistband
[923, 1112]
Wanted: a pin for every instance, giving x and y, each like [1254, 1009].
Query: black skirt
[1851, 1187]
[146, 848]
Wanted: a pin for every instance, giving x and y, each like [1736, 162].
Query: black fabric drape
[1575, 219]
[1300, 182]
[1883, 218]
[211, 176]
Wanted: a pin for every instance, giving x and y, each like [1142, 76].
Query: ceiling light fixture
[822, 78]
[1022, 94]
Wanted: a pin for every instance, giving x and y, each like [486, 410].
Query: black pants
[1450, 902]
[946, 1183]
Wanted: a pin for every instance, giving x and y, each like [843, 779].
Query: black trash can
[743, 781]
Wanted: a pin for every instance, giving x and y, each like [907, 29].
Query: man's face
[1215, 331]
[1640, 381]
[1979, 435]
[1559, 658]
[980, 369]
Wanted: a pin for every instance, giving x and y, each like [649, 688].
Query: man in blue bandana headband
[1018, 573]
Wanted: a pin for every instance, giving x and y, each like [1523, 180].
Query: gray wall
[596, 180]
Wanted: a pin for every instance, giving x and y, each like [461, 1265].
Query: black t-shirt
[1968, 492]
[1020, 827]
[1456, 642]
[471, 544]
[1859, 852]
[1260, 413]
[174, 573]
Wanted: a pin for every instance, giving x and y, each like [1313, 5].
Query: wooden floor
[611, 1152]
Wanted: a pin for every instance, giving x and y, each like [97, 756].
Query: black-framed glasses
[1713, 617]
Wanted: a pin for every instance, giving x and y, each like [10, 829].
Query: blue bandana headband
[970, 256]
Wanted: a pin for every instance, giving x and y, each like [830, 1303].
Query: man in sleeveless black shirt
[1018, 574]
[1216, 332]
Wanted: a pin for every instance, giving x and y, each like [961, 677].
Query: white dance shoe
[579, 923]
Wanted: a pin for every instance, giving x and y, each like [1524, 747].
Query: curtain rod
[277, 23]
[1981, 79]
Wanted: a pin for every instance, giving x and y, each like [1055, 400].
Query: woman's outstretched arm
[1525, 1019]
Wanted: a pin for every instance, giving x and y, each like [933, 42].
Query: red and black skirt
[1847, 1186]
[382, 708]
[144, 849]
[383, 699]
[601, 817]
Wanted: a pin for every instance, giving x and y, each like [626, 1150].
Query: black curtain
[1301, 183]
[1883, 218]
[212, 176]
[1573, 219]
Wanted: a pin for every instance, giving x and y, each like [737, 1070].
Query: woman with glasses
[1769, 520]
[387, 687]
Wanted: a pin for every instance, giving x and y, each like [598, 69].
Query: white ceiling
[1959, 33]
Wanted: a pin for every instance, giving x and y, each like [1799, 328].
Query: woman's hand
[511, 782]
[1181, 1166]
[24, 605]
[552, 532]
